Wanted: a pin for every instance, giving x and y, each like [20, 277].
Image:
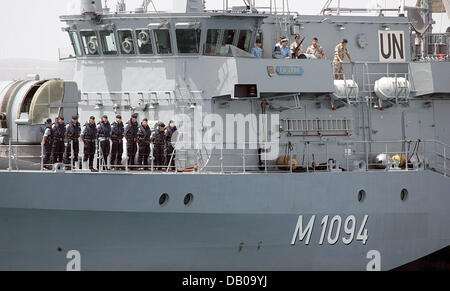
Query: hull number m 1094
[331, 230]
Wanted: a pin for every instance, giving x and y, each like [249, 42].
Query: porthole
[361, 195]
[404, 195]
[188, 199]
[164, 199]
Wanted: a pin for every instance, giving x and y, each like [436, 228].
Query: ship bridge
[159, 54]
[159, 35]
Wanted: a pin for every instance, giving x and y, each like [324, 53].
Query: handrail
[327, 8]
[243, 157]
[367, 80]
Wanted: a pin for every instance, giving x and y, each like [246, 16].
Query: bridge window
[228, 37]
[212, 42]
[126, 42]
[163, 44]
[108, 43]
[144, 42]
[75, 43]
[260, 36]
[188, 41]
[90, 43]
[245, 37]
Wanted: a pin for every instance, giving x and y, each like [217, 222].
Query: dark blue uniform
[48, 145]
[117, 130]
[144, 135]
[58, 136]
[131, 131]
[104, 134]
[170, 154]
[73, 135]
[159, 141]
[89, 136]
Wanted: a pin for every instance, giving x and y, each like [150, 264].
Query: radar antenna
[249, 4]
[121, 6]
[143, 8]
[146, 3]
[326, 6]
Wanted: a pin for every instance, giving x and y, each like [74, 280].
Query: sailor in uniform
[117, 134]
[159, 141]
[170, 151]
[47, 143]
[58, 136]
[316, 50]
[73, 131]
[131, 130]
[144, 135]
[339, 55]
[296, 48]
[89, 136]
[104, 134]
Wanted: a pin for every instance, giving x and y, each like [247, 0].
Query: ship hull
[234, 222]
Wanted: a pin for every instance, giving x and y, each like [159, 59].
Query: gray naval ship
[278, 165]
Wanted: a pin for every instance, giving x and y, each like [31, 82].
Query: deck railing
[303, 157]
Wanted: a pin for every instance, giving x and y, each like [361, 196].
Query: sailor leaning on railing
[339, 55]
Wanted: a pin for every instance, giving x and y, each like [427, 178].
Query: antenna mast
[121, 6]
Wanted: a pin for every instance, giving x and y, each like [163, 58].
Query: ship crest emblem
[271, 71]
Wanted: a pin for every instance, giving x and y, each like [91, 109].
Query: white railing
[369, 79]
[365, 74]
[400, 155]
[15, 155]
[276, 7]
[338, 10]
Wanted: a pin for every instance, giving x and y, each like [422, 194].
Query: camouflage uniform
[340, 51]
[293, 47]
[316, 51]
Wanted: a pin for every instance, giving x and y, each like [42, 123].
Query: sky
[31, 29]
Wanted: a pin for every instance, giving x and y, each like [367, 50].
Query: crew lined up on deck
[60, 139]
[283, 50]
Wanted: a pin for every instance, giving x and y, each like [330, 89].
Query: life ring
[92, 47]
[144, 37]
[127, 46]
